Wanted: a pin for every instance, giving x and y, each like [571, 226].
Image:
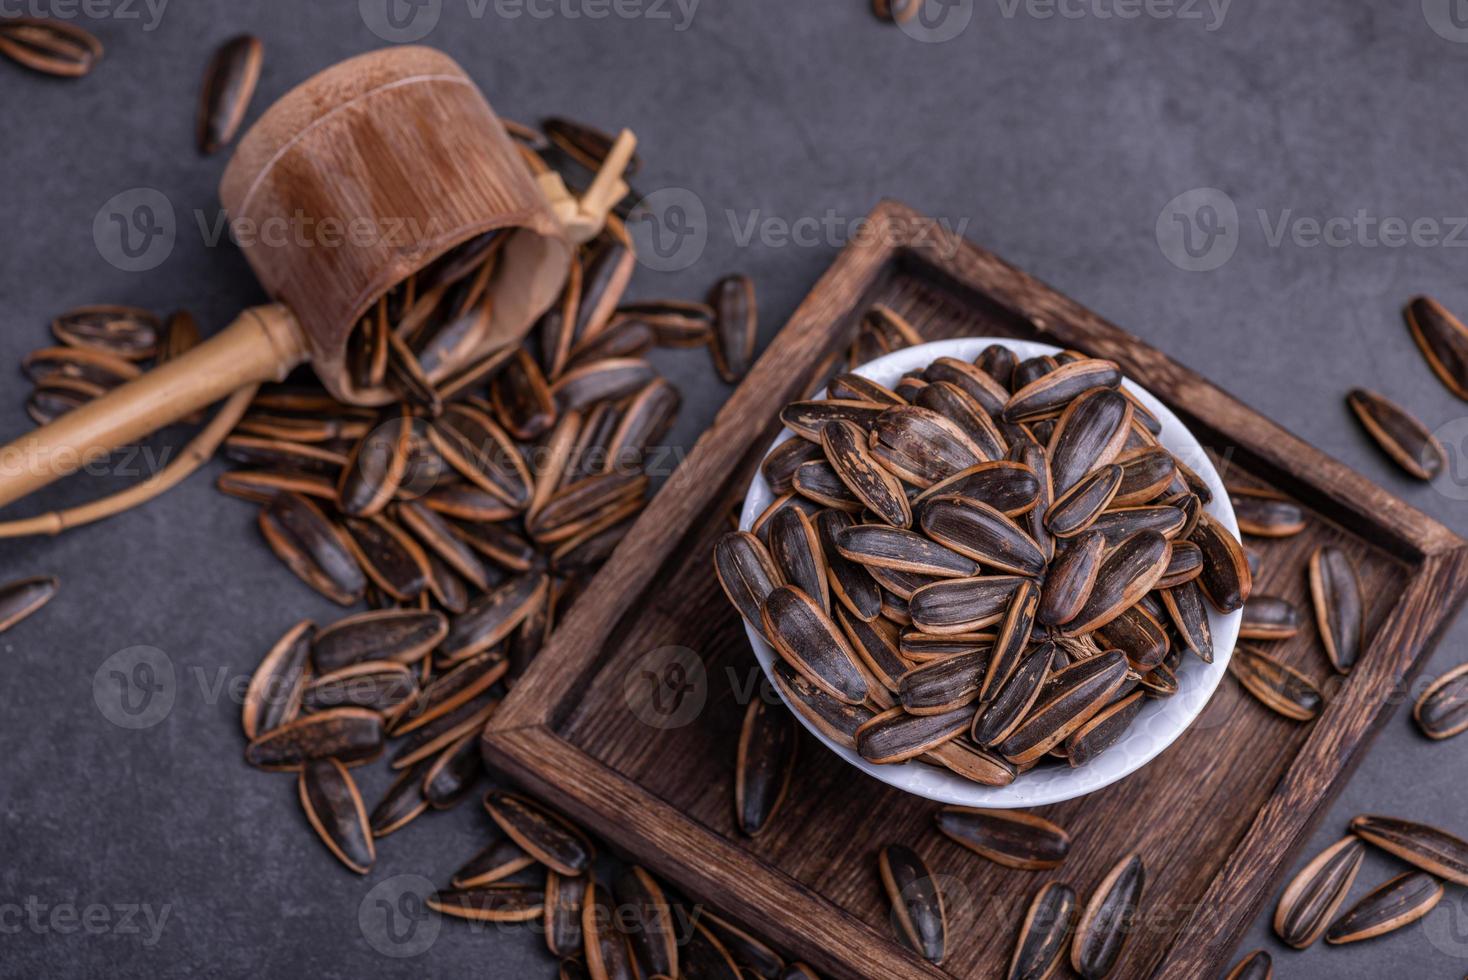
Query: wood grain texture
[664, 792]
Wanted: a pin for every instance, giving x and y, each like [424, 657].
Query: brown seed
[705, 957]
[838, 720]
[1103, 730]
[1107, 920]
[312, 547]
[748, 575]
[499, 544]
[1010, 487]
[818, 483]
[959, 407]
[1184, 604]
[401, 635]
[607, 380]
[653, 933]
[55, 397]
[1090, 433]
[764, 764]
[377, 684]
[1075, 510]
[845, 445]
[942, 686]
[1118, 525]
[851, 583]
[735, 324]
[1138, 634]
[854, 387]
[544, 836]
[352, 735]
[971, 762]
[1434, 851]
[448, 691]
[402, 804]
[807, 419]
[594, 501]
[963, 605]
[1070, 579]
[123, 331]
[273, 696]
[1127, 573]
[922, 447]
[997, 721]
[1442, 710]
[1268, 617]
[390, 557]
[1266, 514]
[1339, 609]
[896, 736]
[229, 84]
[917, 902]
[983, 534]
[21, 598]
[492, 903]
[1400, 435]
[494, 615]
[1399, 902]
[796, 549]
[438, 536]
[501, 859]
[1011, 638]
[645, 419]
[1053, 391]
[810, 642]
[1013, 838]
[451, 777]
[562, 919]
[1225, 579]
[1146, 473]
[1256, 966]
[780, 465]
[897, 11]
[1044, 933]
[1070, 698]
[335, 811]
[80, 364]
[876, 644]
[754, 957]
[607, 956]
[1184, 564]
[474, 445]
[430, 740]
[522, 399]
[1443, 341]
[880, 546]
[284, 455]
[1280, 688]
[51, 46]
[1310, 900]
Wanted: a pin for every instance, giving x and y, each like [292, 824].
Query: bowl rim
[1197, 681]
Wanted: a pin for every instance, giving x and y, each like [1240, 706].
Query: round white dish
[1160, 722]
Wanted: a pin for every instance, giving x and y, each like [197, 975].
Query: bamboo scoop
[357, 178]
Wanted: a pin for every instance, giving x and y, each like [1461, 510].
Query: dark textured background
[1055, 141]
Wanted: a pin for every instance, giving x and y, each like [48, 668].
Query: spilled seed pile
[989, 566]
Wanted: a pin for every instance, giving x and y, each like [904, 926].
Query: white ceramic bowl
[1160, 721]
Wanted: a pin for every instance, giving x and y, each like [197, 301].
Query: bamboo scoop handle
[262, 344]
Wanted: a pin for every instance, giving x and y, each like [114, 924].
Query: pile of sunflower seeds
[987, 567]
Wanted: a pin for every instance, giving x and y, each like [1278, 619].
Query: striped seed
[1268, 617]
[748, 575]
[1071, 697]
[1127, 573]
[764, 764]
[1443, 340]
[1103, 730]
[1012, 838]
[1434, 851]
[971, 762]
[541, 834]
[1044, 934]
[807, 639]
[122, 331]
[1146, 473]
[1278, 687]
[1002, 715]
[1258, 965]
[229, 84]
[1317, 890]
[983, 534]
[335, 811]
[651, 933]
[352, 735]
[312, 547]
[607, 955]
[896, 736]
[562, 917]
[736, 320]
[401, 804]
[850, 582]
[836, 719]
[943, 685]
[1266, 514]
[1397, 903]
[1442, 710]
[1184, 564]
[273, 696]
[1409, 443]
[1335, 592]
[1075, 510]
[1107, 920]
[808, 418]
[1070, 579]
[1090, 433]
[1225, 579]
[1138, 634]
[401, 635]
[845, 446]
[451, 777]
[1011, 638]
[754, 957]
[53, 47]
[1009, 486]
[24, 597]
[493, 616]
[377, 684]
[491, 903]
[498, 860]
[959, 407]
[963, 605]
[1184, 604]
[917, 901]
[920, 446]
[1053, 391]
[795, 546]
[780, 465]
[880, 546]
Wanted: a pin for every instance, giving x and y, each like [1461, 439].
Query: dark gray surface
[1055, 141]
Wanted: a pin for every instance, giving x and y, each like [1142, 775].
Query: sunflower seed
[522, 399]
[1127, 573]
[1442, 710]
[439, 537]
[852, 585]
[1184, 604]
[1010, 487]
[748, 575]
[1118, 525]
[1310, 900]
[1103, 730]
[1070, 579]
[1107, 920]
[963, 605]
[497, 861]
[811, 643]
[1053, 391]
[917, 902]
[836, 719]
[1336, 594]
[499, 544]
[1400, 435]
[607, 955]
[21, 598]
[53, 47]
[1443, 341]
[1075, 510]
[401, 635]
[229, 84]
[284, 455]
[998, 720]
[876, 644]
[735, 323]
[1225, 579]
[942, 686]
[474, 445]
[1071, 697]
[606, 380]
[971, 762]
[1399, 902]
[352, 735]
[312, 547]
[494, 615]
[651, 933]
[922, 447]
[755, 958]
[430, 740]
[1011, 639]
[452, 776]
[273, 696]
[959, 407]
[764, 765]
[1044, 934]
[1184, 564]
[1266, 514]
[1434, 851]
[377, 684]
[1256, 966]
[123, 331]
[846, 452]
[983, 534]
[705, 957]
[491, 903]
[1013, 838]
[854, 387]
[880, 546]
[392, 560]
[562, 916]
[645, 419]
[896, 736]
[1146, 473]
[96, 367]
[796, 549]
[1280, 688]
[807, 419]
[780, 465]
[1090, 433]
[335, 811]
[542, 835]
[402, 804]
[1268, 617]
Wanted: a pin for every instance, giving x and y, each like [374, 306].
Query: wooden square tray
[1216, 817]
